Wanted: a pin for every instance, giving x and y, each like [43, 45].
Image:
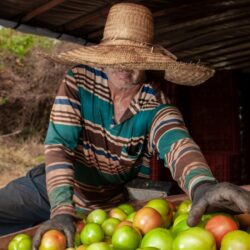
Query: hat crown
[129, 22]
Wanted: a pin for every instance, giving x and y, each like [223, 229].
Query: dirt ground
[17, 157]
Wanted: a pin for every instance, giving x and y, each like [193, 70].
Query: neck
[121, 92]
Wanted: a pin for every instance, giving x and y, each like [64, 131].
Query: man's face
[125, 79]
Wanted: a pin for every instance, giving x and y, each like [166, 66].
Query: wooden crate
[4, 240]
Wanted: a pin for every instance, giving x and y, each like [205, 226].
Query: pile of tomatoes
[158, 225]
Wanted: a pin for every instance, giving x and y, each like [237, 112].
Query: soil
[27, 90]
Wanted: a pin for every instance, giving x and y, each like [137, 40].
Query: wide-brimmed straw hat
[127, 43]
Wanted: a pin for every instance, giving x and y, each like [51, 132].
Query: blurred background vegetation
[28, 84]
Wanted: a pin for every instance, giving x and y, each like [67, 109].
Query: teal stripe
[70, 73]
[195, 172]
[168, 139]
[61, 195]
[63, 134]
[103, 109]
[145, 170]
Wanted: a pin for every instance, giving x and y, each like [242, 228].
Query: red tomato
[219, 225]
[53, 239]
[147, 218]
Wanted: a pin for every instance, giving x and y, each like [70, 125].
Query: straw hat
[128, 43]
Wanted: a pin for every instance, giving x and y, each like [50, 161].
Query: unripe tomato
[236, 240]
[20, 242]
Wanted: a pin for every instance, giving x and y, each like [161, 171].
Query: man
[106, 123]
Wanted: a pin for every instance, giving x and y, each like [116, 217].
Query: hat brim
[137, 57]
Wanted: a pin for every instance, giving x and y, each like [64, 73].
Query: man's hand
[62, 222]
[223, 196]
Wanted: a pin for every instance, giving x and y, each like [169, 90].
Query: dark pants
[24, 202]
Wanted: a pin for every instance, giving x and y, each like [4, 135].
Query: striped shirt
[89, 157]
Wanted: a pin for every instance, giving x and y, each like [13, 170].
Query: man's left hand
[223, 196]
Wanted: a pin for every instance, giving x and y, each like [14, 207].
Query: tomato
[124, 223]
[146, 219]
[160, 238]
[172, 206]
[127, 208]
[126, 238]
[77, 240]
[180, 224]
[162, 207]
[118, 213]
[148, 248]
[99, 246]
[82, 247]
[20, 242]
[53, 239]
[79, 226]
[97, 216]
[236, 240]
[131, 216]
[109, 226]
[92, 233]
[184, 207]
[220, 225]
[244, 220]
[194, 238]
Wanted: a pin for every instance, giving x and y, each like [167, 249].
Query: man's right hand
[62, 222]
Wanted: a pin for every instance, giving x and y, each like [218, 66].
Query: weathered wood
[237, 54]
[83, 20]
[214, 36]
[203, 49]
[224, 63]
[238, 66]
[41, 9]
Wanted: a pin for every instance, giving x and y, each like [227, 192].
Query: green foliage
[20, 44]
[3, 100]
[40, 159]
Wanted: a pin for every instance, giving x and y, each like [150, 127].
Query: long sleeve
[62, 137]
[170, 138]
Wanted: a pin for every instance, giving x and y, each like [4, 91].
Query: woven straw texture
[128, 44]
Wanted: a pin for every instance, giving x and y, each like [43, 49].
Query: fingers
[38, 236]
[241, 199]
[196, 212]
[70, 237]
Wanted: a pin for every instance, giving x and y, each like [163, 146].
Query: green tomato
[127, 208]
[180, 224]
[131, 216]
[148, 248]
[77, 241]
[184, 207]
[237, 239]
[99, 246]
[126, 238]
[97, 216]
[195, 238]
[117, 213]
[109, 226]
[159, 238]
[20, 242]
[91, 233]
